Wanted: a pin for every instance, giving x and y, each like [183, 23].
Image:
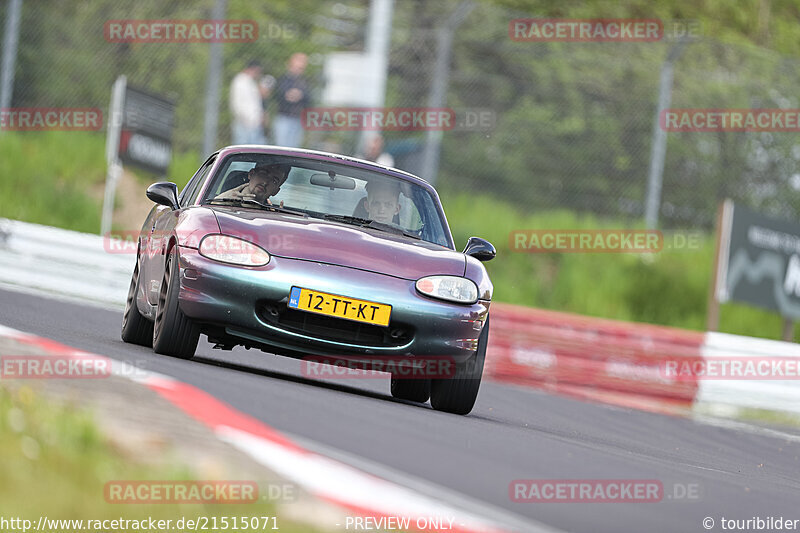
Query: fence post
[10, 40]
[438, 95]
[659, 147]
[213, 83]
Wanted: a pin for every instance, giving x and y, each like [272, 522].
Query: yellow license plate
[340, 306]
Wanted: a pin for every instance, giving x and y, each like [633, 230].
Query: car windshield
[331, 191]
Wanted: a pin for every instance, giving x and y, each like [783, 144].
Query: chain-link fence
[572, 123]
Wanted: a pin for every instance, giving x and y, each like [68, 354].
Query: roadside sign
[759, 261]
[146, 130]
[139, 134]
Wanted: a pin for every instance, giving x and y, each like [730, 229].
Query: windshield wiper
[356, 221]
[368, 223]
[251, 201]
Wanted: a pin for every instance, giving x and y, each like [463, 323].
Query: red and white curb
[358, 492]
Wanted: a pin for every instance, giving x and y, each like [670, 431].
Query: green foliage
[671, 289]
[771, 24]
[575, 120]
[668, 288]
[65, 60]
[56, 462]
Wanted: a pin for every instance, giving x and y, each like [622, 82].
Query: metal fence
[571, 123]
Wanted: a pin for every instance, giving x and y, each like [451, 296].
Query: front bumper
[249, 304]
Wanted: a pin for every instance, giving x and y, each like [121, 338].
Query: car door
[162, 227]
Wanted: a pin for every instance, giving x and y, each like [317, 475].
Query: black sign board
[145, 139]
[762, 263]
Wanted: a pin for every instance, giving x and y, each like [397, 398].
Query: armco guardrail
[62, 262]
[624, 363]
[600, 359]
[770, 395]
[590, 357]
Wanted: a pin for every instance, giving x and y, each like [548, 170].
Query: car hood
[339, 244]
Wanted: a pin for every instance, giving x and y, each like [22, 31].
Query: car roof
[321, 156]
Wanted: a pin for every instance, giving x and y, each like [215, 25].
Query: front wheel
[173, 332]
[457, 394]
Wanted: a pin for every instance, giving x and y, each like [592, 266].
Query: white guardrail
[766, 394]
[63, 263]
[88, 268]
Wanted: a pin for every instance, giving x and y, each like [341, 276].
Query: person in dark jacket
[292, 95]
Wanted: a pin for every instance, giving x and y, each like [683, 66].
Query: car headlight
[227, 249]
[450, 288]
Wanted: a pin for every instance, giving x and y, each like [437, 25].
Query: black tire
[457, 395]
[414, 390]
[173, 332]
[136, 329]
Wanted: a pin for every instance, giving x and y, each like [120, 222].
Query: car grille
[334, 329]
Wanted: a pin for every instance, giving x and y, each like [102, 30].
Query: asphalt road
[513, 433]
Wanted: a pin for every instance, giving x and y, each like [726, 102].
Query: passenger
[383, 201]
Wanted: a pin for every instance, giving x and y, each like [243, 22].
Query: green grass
[751, 414]
[56, 463]
[45, 177]
[57, 178]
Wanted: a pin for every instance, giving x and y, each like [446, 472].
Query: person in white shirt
[247, 108]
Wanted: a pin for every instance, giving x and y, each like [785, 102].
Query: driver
[383, 201]
[262, 182]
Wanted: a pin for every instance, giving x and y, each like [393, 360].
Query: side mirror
[164, 193]
[480, 249]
